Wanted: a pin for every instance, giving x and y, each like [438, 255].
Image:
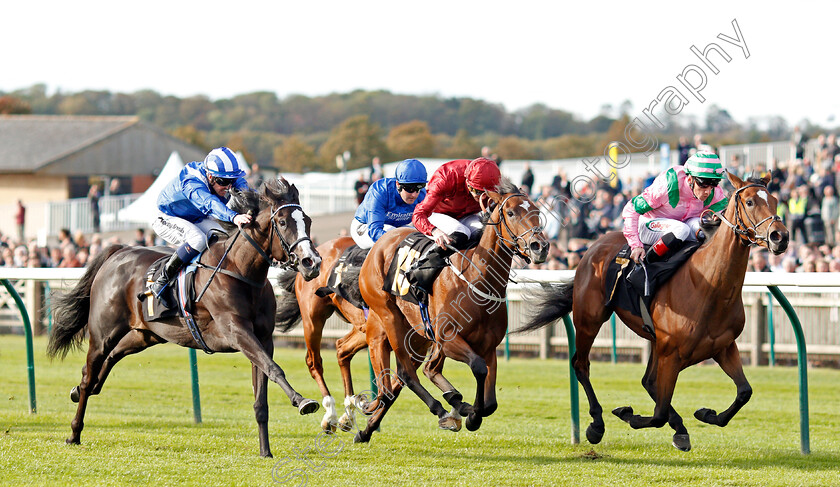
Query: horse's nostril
[307, 263]
[537, 247]
[775, 236]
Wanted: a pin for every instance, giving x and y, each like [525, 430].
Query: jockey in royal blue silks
[389, 203]
[190, 205]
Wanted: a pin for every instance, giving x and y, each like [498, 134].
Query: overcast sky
[575, 56]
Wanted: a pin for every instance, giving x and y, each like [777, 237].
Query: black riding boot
[663, 248]
[424, 272]
[170, 270]
[422, 275]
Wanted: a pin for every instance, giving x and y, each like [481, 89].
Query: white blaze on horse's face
[762, 195]
[525, 206]
[300, 224]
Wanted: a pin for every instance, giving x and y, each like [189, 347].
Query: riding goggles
[412, 187]
[224, 182]
[706, 183]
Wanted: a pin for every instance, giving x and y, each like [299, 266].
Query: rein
[741, 228]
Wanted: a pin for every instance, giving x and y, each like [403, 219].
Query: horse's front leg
[730, 361]
[457, 348]
[434, 372]
[260, 382]
[667, 370]
[345, 349]
[243, 339]
[681, 439]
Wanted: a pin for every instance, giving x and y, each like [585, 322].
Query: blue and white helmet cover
[222, 163]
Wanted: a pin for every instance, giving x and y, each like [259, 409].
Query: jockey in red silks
[449, 214]
[667, 213]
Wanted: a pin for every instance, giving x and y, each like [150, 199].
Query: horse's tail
[288, 308]
[71, 309]
[551, 302]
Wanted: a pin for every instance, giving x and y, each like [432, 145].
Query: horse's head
[752, 211]
[517, 222]
[286, 226]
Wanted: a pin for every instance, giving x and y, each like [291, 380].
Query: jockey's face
[410, 192]
[219, 189]
[701, 192]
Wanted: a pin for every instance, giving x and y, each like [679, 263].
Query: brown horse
[235, 314]
[304, 304]
[467, 308]
[696, 315]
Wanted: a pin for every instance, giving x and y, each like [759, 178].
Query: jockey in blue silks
[389, 203]
[190, 205]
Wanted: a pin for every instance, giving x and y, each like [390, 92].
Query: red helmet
[483, 174]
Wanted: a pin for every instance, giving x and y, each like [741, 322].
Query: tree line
[300, 133]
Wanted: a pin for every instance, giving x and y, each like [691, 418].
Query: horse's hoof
[594, 434]
[361, 438]
[72, 441]
[345, 423]
[327, 426]
[624, 413]
[474, 422]
[450, 423]
[705, 415]
[682, 442]
[308, 406]
[74, 394]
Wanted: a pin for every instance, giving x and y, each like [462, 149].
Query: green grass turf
[140, 430]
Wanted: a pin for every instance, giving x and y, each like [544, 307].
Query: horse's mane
[506, 186]
[271, 192]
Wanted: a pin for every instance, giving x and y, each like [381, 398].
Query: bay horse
[696, 315]
[303, 304]
[236, 313]
[467, 308]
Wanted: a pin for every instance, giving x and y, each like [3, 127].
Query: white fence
[814, 296]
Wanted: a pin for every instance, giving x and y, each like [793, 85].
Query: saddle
[344, 277]
[627, 282]
[408, 252]
[181, 292]
[183, 286]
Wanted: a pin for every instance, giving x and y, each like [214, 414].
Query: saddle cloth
[344, 277]
[626, 281]
[408, 252]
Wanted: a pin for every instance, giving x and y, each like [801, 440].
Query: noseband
[291, 260]
[525, 236]
[741, 228]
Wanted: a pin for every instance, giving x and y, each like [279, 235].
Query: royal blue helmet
[411, 171]
[222, 163]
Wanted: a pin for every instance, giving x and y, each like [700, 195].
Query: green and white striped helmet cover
[704, 164]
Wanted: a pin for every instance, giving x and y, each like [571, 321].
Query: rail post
[802, 356]
[30, 354]
[573, 383]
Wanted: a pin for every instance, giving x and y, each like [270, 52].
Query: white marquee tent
[144, 209]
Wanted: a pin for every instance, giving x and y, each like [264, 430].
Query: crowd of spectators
[70, 250]
[806, 190]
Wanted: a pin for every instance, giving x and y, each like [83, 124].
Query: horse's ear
[735, 180]
[766, 178]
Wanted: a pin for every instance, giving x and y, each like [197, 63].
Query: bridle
[291, 260]
[524, 237]
[741, 228]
